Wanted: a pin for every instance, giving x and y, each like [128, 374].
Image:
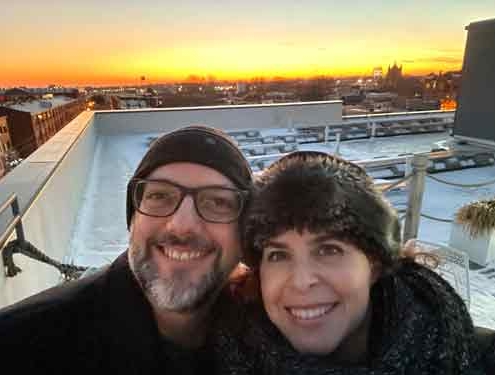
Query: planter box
[481, 249]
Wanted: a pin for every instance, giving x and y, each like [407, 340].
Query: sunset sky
[97, 42]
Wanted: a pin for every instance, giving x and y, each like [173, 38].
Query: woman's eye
[276, 256]
[326, 250]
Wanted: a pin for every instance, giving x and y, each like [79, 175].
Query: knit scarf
[420, 325]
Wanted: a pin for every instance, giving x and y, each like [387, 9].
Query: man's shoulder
[54, 305]
[228, 308]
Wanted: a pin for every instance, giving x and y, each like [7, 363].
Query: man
[151, 308]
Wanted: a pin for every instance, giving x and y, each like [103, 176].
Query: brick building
[31, 123]
[5, 142]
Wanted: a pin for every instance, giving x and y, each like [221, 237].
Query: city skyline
[117, 43]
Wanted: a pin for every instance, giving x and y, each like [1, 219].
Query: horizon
[203, 80]
[117, 43]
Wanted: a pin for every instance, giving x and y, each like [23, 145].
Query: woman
[337, 297]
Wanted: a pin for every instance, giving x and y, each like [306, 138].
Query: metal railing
[21, 246]
[16, 222]
[416, 180]
[454, 184]
[419, 164]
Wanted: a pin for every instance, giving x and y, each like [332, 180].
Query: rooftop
[72, 190]
[40, 105]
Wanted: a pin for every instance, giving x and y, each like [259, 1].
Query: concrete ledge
[49, 185]
[28, 178]
[232, 118]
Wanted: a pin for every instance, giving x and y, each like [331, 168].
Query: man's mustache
[190, 240]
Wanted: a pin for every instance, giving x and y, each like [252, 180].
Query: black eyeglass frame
[243, 197]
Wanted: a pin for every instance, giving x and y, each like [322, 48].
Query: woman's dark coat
[419, 326]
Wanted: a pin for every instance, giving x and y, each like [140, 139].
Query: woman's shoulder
[235, 337]
[236, 318]
[485, 340]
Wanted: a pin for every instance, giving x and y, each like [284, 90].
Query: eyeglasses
[162, 198]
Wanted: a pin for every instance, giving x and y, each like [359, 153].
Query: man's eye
[276, 256]
[221, 202]
[157, 196]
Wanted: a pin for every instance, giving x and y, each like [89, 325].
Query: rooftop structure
[476, 113]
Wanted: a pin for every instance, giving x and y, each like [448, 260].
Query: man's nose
[185, 217]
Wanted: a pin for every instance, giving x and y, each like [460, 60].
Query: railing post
[373, 129]
[337, 142]
[19, 231]
[290, 122]
[408, 166]
[416, 188]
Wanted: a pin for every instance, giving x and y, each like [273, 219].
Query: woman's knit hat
[321, 193]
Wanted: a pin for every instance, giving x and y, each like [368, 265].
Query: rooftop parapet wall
[49, 185]
[241, 117]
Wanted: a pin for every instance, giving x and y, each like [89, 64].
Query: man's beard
[174, 292]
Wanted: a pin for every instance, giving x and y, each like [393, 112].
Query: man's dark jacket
[101, 323]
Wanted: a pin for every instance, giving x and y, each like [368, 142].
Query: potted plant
[473, 230]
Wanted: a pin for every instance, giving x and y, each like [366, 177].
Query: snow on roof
[37, 106]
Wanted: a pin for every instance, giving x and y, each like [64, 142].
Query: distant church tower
[394, 75]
